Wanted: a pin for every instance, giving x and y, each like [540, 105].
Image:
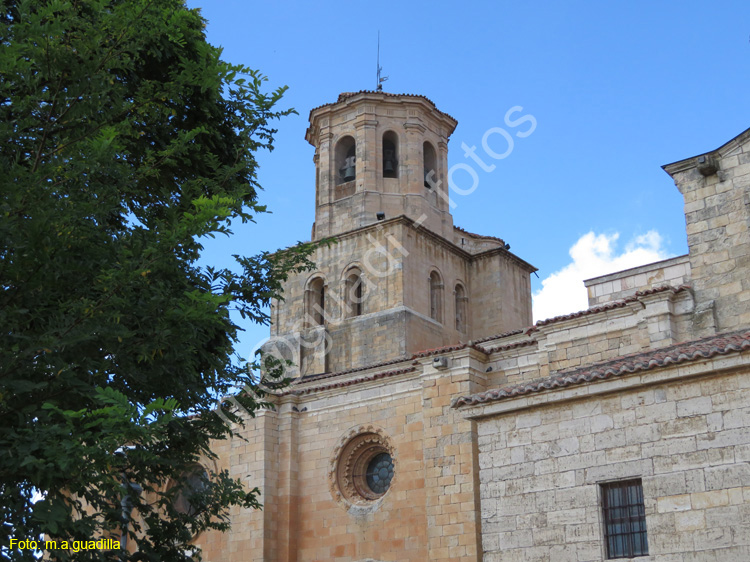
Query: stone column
[288, 474]
[326, 182]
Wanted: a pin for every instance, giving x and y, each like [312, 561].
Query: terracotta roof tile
[608, 306]
[675, 354]
[346, 95]
[514, 345]
[473, 235]
[309, 378]
[349, 382]
[447, 349]
[474, 344]
[499, 336]
[422, 354]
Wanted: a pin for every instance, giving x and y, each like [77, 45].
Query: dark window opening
[379, 473]
[430, 166]
[316, 302]
[193, 484]
[624, 519]
[390, 155]
[461, 308]
[354, 294]
[436, 297]
[346, 160]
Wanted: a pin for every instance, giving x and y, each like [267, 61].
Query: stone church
[431, 420]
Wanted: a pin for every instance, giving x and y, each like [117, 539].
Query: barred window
[624, 519]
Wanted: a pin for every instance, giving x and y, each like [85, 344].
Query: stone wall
[253, 458]
[716, 188]
[615, 286]
[649, 321]
[501, 294]
[688, 440]
[429, 513]
[330, 529]
[396, 259]
[500, 447]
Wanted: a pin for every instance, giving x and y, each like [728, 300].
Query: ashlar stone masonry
[430, 420]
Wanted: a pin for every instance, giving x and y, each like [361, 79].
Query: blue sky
[617, 90]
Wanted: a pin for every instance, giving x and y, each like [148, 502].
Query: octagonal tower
[379, 154]
[400, 277]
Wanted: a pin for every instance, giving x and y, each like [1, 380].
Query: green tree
[124, 140]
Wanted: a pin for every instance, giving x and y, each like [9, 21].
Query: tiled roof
[473, 235]
[474, 344]
[346, 95]
[349, 382]
[675, 354]
[447, 349]
[506, 347]
[499, 336]
[501, 247]
[608, 306]
[310, 378]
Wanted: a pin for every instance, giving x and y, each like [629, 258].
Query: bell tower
[400, 278]
[380, 154]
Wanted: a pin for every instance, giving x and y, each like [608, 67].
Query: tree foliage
[124, 140]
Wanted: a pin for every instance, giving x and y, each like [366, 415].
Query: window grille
[624, 519]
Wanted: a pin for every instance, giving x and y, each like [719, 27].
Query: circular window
[363, 467]
[192, 483]
[379, 473]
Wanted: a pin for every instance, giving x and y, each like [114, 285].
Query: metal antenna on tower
[380, 69]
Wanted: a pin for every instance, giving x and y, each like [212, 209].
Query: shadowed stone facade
[397, 256]
[414, 344]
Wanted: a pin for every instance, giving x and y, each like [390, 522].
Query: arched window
[430, 165]
[316, 301]
[390, 155]
[346, 160]
[461, 308]
[436, 297]
[354, 293]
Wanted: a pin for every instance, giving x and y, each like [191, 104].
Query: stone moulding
[349, 461]
[705, 348]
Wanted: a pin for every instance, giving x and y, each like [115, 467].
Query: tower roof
[343, 96]
[346, 96]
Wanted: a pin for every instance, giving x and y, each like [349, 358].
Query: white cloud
[563, 292]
